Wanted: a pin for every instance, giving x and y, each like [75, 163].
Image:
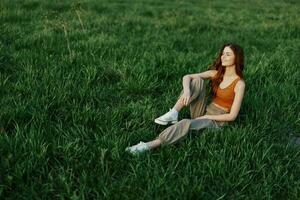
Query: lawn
[82, 80]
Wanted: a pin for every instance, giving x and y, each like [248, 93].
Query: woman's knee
[197, 81]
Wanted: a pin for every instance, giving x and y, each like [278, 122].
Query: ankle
[174, 112]
[178, 107]
[153, 144]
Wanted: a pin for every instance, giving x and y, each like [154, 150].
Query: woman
[227, 88]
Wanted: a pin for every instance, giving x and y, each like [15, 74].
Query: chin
[227, 65]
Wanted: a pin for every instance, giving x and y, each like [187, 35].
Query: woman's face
[227, 58]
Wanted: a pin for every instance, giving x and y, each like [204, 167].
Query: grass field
[82, 80]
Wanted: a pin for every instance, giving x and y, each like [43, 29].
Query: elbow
[232, 117]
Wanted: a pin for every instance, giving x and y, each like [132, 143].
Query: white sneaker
[167, 118]
[138, 148]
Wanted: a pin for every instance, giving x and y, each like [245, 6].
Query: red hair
[217, 65]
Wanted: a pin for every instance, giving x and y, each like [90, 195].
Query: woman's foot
[138, 148]
[169, 117]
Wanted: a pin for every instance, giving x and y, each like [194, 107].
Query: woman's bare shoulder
[240, 85]
[241, 82]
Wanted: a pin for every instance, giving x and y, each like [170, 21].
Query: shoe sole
[164, 123]
[134, 153]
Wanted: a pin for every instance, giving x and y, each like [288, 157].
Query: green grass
[82, 80]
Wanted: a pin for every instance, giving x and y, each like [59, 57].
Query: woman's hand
[184, 99]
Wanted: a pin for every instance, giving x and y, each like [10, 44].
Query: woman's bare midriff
[221, 107]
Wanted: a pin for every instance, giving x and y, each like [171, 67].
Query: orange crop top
[224, 97]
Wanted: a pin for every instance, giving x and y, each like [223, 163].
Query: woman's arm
[235, 108]
[187, 79]
[205, 75]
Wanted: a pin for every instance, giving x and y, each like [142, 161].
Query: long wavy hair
[217, 65]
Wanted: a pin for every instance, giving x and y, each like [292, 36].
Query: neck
[230, 71]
